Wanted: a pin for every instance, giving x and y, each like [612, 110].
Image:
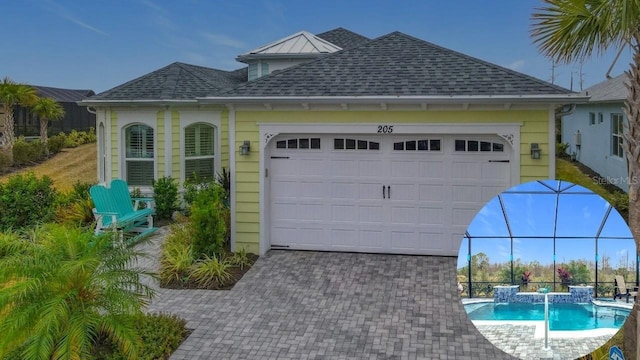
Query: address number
[385, 129]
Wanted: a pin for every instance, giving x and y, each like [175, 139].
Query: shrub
[5, 162]
[561, 148]
[620, 201]
[240, 258]
[26, 200]
[78, 213]
[25, 153]
[65, 288]
[165, 194]
[56, 143]
[161, 335]
[208, 221]
[177, 254]
[210, 271]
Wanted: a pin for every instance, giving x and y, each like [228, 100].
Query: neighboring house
[76, 117]
[600, 123]
[389, 145]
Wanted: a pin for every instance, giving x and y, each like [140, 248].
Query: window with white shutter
[199, 155]
[139, 155]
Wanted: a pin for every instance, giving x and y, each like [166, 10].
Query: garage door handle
[504, 161]
[383, 195]
[389, 191]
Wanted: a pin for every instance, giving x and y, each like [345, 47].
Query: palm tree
[12, 94]
[46, 109]
[573, 30]
[62, 288]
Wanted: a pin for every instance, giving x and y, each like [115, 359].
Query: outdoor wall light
[535, 151]
[245, 148]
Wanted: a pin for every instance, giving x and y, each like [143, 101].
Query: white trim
[101, 131]
[509, 131]
[552, 143]
[109, 147]
[129, 118]
[232, 172]
[190, 117]
[168, 148]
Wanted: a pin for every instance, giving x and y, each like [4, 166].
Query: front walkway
[314, 305]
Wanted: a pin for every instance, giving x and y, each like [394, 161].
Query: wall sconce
[245, 148]
[535, 151]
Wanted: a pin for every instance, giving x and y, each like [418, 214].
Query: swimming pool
[562, 317]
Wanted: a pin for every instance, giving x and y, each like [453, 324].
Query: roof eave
[467, 99]
[140, 102]
[248, 57]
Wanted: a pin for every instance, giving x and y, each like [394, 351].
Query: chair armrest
[108, 213]
[148, 200]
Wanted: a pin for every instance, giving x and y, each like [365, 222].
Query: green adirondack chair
[116, 210]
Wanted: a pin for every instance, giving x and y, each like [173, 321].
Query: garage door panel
[333, 199]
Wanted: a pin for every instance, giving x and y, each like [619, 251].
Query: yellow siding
[160, 156]
[534, 129]
[175, 145]
[224, 140]
[115, 151]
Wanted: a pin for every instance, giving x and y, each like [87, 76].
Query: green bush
[620, 201]
[211, 271]
[161, 335]
[5, 162]
[26, 153]
[208, 221]
[26, 200]
[165, 195]
[56, 143]
[240, 258]
[561, 148]
[177, 254]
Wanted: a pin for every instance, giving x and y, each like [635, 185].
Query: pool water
[561, 316]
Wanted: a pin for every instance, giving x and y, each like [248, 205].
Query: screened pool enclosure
[547, 234]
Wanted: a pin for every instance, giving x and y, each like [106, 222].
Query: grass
[66, 168]
[567, 171]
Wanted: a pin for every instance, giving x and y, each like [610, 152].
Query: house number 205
[385, 129]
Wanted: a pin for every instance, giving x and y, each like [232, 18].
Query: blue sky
[579, 217]
[100, 44]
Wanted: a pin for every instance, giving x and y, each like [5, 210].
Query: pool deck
[525, 339]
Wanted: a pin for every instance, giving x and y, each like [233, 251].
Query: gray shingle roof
[63, 95]
[613, 89]
[344, 38]
[396, 65]
[177, 81]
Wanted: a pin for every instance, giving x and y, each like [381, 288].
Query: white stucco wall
[596, 146]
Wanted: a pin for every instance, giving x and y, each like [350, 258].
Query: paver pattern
[315, 305]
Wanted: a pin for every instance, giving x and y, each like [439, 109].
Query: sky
[532, 221]
[98, 45]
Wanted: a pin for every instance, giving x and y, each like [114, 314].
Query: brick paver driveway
[314, 305]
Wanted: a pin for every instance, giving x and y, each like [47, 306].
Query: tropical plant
[208, 221]
[26, 200]
[210, 270]
[573, 30]
[165, 195]
[240, 258]
[46, 109]
[564, 274]
[12, 94]
[177, 254]
[61, 288]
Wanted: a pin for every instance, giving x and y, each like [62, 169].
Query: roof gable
[613, 89]
[177, 81]
[302, 43]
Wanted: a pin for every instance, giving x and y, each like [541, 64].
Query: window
[353, 144]
[592, 118]
[417, 145]
[600, 118]
[616, 135]
[139, 155]
[199, 153]
[302, 143]
[477, 146]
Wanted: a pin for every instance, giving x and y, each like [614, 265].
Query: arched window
[139, 155]
[199, 154]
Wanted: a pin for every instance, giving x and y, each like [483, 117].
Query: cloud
[62, 12]
[223, 40]
[516, 65]
[152, 5]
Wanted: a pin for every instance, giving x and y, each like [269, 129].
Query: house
[594, 131]
[76, 117]
[385, 145]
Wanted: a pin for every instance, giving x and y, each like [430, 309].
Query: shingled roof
[63, 95]
[613, 89]
[343, 38]
[177, 81]
[395, 65]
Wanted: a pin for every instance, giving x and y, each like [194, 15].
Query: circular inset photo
[548, 268]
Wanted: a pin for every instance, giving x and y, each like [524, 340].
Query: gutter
[96, 103]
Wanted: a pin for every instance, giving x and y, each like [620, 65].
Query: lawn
[67, 167]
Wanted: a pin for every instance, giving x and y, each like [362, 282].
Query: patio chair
[621, 289]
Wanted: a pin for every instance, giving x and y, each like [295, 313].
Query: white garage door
[382, 194]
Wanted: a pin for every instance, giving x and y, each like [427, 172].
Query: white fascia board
[467, 99]
[90, 102]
